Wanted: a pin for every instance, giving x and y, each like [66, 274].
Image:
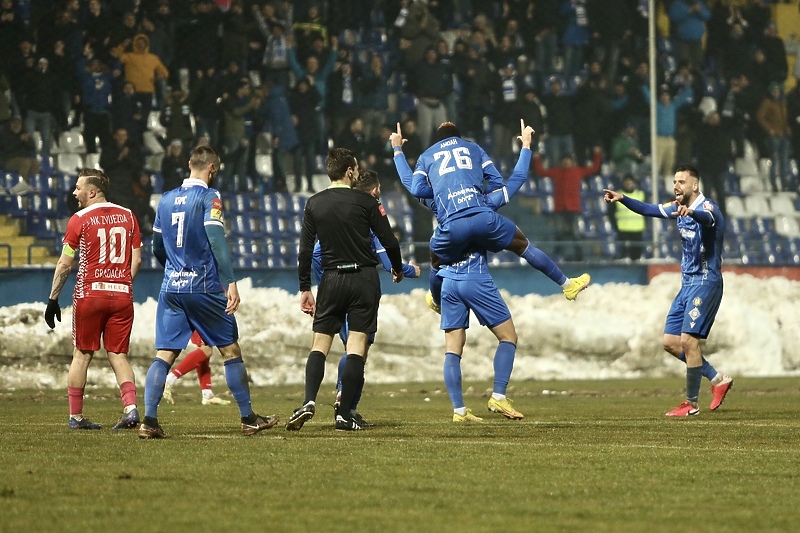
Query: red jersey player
[107, 239]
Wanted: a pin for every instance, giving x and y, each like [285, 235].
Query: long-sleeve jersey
[181, 219]
[345, 220]
[702, 236]
[494, 200]
[456, 174]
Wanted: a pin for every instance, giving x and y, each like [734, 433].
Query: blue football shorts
[178, 314]
[693, 310]
[481, 296]
[485, 230]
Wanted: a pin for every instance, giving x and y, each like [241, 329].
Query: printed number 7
[178, 218]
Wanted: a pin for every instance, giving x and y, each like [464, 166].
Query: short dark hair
[202, 156]
[690, 169]
[367, 180]
[445, 131]
[338, 161]
[95, 178]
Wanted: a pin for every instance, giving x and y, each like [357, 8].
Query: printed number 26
[460, 155]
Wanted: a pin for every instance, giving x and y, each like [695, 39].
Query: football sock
[452, 379]
[352, 378]
[717, 379]
[171, 379]
[75, 395]
[204, 374]
[340, 371]
[207, 394]
[154, 386]
[189, 362]
[435, 283]
[127, 392]
[460, 411]
[236, 378]
[541, 262]
[709, 372]
[503, 365]
[357, 397]
[315, 371]
[693, 378]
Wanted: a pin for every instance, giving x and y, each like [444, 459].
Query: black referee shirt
[341, 218]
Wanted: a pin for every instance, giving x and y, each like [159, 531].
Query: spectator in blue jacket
[666, 124]
[95, 97]
[576, 34]
[687, 19]
[277, 116]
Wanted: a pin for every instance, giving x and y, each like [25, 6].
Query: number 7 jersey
[104, 235]
[181, 218]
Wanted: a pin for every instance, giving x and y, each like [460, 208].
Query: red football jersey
[103, 235]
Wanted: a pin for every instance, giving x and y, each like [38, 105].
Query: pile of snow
[611, 331]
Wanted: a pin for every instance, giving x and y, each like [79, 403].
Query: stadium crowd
[290, 79]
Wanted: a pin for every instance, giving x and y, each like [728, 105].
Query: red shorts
[110, 317]
[196, 340]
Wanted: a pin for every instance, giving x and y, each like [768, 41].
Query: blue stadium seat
[545, 185]
[41, 226]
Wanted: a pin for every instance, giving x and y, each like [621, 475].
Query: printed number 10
[112, 247]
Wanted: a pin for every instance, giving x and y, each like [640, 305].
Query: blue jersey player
[468, 286]
[464, 207]
[368, 182]
[702, 229]
[199, 291]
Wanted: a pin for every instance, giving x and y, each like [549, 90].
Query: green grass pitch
[589, 456]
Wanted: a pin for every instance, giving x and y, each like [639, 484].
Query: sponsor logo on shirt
[216, 209]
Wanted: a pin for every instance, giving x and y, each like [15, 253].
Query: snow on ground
[611, 331]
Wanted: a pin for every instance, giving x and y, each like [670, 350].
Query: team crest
[381, 209]
[697, 302]
[694, 313]
[708, 206]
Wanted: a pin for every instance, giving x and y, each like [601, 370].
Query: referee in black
[341, 218]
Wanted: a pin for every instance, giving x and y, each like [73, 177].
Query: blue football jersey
[181, 218]
[702, 243]
[456, 174]
[473, 266]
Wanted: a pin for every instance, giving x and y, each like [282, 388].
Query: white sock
[566, 284]
[717, 379]
[499, 397]
[171, 379]
[129, 408]
[460, 411]
[208, 394]
[79, 416]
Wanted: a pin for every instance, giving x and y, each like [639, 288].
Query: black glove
[53, 311]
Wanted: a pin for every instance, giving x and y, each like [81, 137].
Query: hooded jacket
[141, 68]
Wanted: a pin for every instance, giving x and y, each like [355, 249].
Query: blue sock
[452, 379]
[503, 365]
[709, 372]
[541, 262]
[435, 283]
[340, 371]
[154, 386]
[236, 378]
[693, 378]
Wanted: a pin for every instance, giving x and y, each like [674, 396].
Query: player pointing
[702, 229]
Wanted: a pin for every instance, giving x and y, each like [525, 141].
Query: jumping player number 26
[460, 155]
[112, 246]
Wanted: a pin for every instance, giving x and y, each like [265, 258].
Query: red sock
[204, 375]
[75, 400]
[191, 361]
[127, 391]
